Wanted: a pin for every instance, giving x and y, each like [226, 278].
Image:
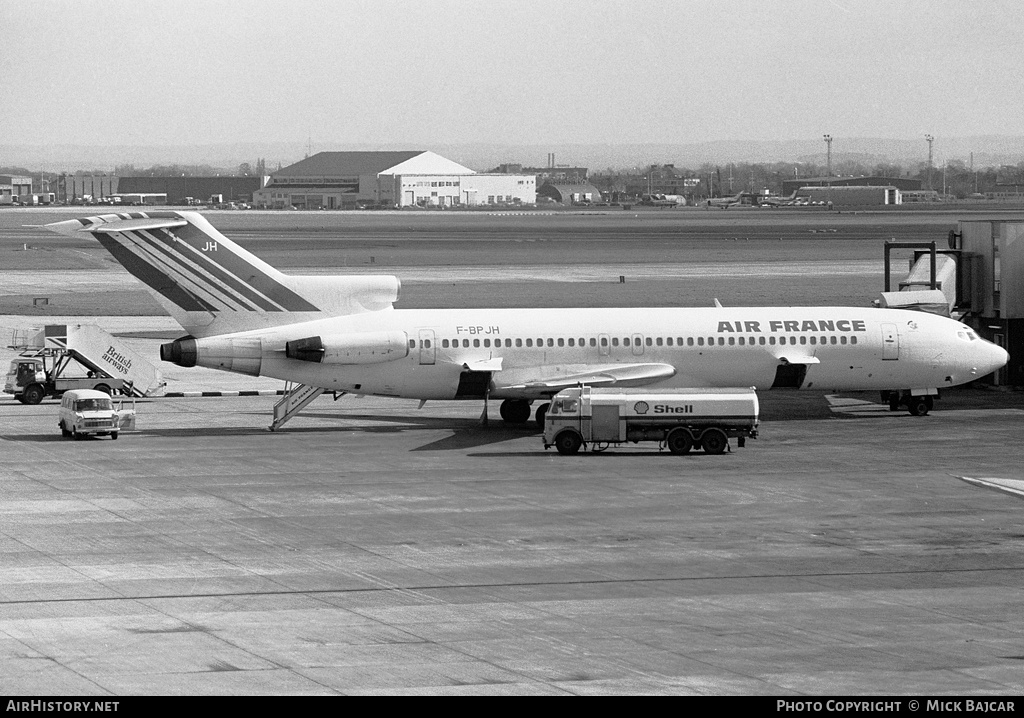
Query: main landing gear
[517, 411]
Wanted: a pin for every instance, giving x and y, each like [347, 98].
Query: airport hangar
[415, 178]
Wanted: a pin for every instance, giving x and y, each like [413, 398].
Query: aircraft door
[890, 342]
[638, 344]
[603, 345]
[428, 348]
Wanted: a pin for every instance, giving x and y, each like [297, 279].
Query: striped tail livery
[210, 285]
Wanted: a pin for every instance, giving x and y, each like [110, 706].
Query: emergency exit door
[890, 342]
[427, 348]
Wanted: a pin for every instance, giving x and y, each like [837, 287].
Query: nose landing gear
[916, 404]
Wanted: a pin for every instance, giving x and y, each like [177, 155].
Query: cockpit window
[967, 335]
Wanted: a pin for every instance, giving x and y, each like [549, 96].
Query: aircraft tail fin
[211, 285]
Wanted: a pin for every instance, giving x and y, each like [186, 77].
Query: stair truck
[66, 357]
[680, 420]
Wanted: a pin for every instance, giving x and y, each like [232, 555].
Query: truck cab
[23, 372]
[32, 379]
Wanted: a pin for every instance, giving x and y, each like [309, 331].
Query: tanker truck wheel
[679, 441]
[714, 441]
[568, 442]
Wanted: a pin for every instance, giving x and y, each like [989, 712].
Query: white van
[86, 411]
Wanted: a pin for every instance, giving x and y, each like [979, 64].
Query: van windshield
[93, 405]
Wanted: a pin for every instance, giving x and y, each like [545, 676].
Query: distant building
[552, 175]
[924, 195]
[569, 194]
[347, 180]
[80, 188]
[903, 184]
[662, 179]
[12, 187]
[852, 196]
[232, 188]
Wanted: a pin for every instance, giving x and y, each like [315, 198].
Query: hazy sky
[527, 72]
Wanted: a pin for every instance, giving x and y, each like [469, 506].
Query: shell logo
[641, 407]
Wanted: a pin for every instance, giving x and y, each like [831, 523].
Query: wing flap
[795, 359]
[549, 378]
[483, 364]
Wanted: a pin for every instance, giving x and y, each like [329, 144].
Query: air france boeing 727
[342, 334]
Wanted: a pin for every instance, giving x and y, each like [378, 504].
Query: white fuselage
[841, 348]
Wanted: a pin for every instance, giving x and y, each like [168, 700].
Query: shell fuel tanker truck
[680, 420]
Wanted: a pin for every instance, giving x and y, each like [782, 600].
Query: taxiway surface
[372, 548]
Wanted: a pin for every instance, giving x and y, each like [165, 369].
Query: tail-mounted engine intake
[350, 348]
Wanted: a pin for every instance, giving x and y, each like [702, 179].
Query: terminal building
[415, 178]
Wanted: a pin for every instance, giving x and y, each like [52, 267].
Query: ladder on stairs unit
[296, 398]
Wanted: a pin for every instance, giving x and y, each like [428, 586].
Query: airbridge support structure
[995, 306]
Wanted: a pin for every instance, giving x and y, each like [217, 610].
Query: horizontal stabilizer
[134, 225]
[109, 224]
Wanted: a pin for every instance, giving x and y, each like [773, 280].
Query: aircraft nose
[990, 358]
[998, 357]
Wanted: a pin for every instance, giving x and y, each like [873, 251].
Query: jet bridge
[977, 278]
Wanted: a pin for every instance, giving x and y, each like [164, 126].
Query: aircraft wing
[555, 378]
[1014, 487]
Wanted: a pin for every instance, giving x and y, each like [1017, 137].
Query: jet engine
[244, 356]
[350, 348]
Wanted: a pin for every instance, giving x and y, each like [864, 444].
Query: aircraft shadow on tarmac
[468, 433]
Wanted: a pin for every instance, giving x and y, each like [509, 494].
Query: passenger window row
[542, 342]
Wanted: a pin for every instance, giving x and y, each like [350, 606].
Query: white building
[852, 195]
[346, 180]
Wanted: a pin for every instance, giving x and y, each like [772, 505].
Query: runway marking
[477, 586]
[201, 394]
